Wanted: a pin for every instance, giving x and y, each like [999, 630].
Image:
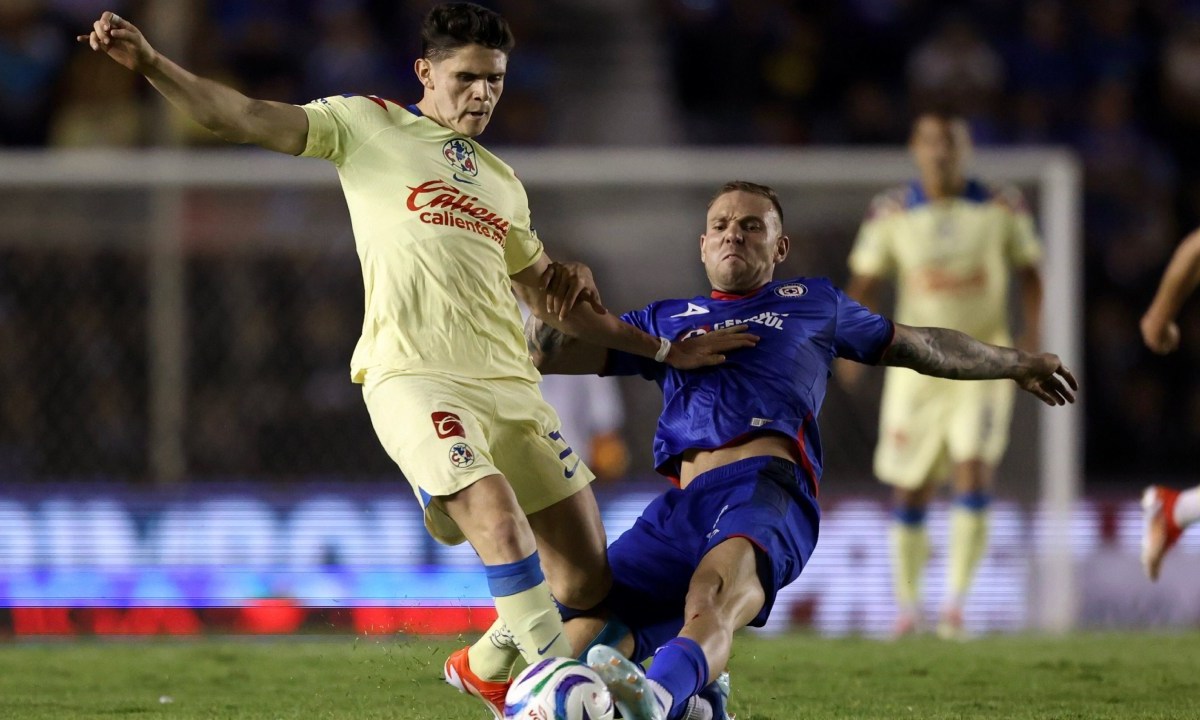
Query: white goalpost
[652, 183]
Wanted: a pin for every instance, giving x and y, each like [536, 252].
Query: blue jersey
[777, 386]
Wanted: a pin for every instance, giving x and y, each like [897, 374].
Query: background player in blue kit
[742, 444]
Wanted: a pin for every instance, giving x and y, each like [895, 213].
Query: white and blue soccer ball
[558, 689]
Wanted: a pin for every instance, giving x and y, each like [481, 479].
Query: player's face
[939, 146]
[742, 243]
[462, 90]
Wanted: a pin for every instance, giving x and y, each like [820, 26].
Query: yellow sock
[910, 552]
[536, 626]
[968, 542]
[493, 656]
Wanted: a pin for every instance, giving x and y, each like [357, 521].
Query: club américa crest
[461, 455]
[460, 153]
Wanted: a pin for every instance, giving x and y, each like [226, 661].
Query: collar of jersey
[973, 191]
[719, 295]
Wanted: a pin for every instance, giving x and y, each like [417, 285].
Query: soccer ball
[558, 689]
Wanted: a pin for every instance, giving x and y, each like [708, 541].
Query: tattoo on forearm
[543, 341]
[950, 354]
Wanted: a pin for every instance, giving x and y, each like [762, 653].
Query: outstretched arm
[951, 354]
[226, 112]
[555, 352]
[563, 296]
[1159, 330]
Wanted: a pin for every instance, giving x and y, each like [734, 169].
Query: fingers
[597, 306]
[1070, 378]
[730, 330]
[1058, 391]
[569, 303]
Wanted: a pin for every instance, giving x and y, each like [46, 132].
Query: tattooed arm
[951, 354]
[556, 353]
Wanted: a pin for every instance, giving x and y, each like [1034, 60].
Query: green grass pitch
[786, 678]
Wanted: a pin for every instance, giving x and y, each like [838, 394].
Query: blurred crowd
[1117, 80]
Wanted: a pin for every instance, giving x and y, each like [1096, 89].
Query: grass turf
[1082, 676]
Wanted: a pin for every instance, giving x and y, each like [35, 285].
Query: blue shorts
[767, 500]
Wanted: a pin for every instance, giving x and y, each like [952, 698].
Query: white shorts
[447, 432]
[928, 424]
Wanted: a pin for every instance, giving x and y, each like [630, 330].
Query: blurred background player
[1167, 511]
[441, 348]
[948, 242]
[742, 443]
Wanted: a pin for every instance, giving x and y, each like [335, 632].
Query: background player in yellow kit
[1168, 511]
[441, 225]
[948, 242]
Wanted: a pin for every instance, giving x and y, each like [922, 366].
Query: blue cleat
[631, 691]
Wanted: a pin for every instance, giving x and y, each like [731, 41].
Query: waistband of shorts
[737, 467]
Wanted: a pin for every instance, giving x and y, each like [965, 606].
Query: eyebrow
[744, 218]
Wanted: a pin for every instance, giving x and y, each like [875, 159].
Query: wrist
[664, 350]
[153, 64]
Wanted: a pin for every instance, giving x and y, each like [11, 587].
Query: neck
[941, 190]
[718, 291]
[428, 110]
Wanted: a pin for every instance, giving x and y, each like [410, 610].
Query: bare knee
[972, 476]
[914, 498]
[714, 600]
[577, 589]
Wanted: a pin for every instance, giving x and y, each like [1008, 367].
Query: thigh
[433, 429]
[915, 417]
[776, 513]
[981, 420]
[572, 545]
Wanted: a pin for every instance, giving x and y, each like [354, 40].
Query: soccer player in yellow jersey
[441, 225]
[1168, 511]
[949, 243]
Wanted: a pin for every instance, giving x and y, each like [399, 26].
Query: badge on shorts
[461, 455]
[447, 424]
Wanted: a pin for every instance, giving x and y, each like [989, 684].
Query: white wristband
[664, 349]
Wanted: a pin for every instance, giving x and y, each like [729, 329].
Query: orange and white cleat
[1160, 532]
[458, 673]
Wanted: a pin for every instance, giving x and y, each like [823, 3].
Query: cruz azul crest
[460, 154]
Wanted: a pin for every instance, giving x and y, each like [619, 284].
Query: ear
[782, 245]
[702, 248]
[424, 70]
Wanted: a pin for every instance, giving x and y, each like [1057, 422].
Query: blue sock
[681, 669]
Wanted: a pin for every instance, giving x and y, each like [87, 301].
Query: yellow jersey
[440, 224]
[950, 258]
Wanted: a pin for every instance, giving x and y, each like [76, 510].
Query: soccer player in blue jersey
[742, 444]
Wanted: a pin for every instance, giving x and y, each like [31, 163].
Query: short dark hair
[450, 26]
[749, 187]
